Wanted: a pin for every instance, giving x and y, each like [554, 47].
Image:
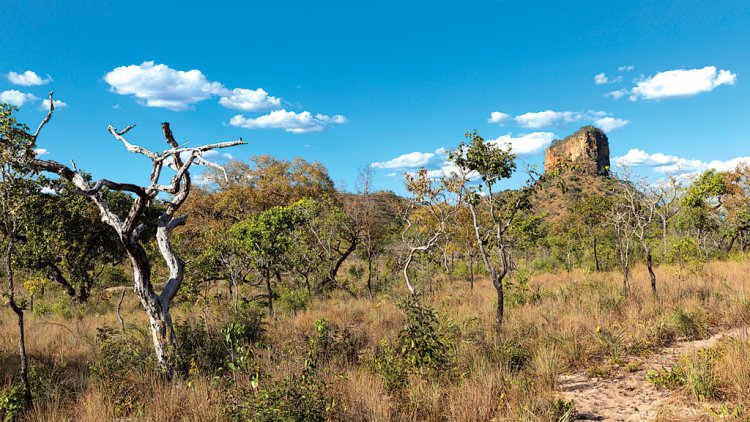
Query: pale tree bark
[440, 209]
[131, 231]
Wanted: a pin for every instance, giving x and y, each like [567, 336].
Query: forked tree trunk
[130, 231]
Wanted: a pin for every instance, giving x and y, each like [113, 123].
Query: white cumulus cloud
[609, 124]
[410, 160]
[16, 98]
[547, 118]
[626, 68]
[532, 143]
[41, 151]
[290, 121]
[158, 85]
[27, 78]
[498, 117]
[672, 164]
[680, 83]
[550, 118]
[249, 100]
[58, 104]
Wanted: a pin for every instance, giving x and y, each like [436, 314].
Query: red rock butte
[587, 150]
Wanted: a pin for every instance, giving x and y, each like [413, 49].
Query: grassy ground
[555, 324]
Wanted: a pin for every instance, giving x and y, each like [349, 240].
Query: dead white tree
[132, 228]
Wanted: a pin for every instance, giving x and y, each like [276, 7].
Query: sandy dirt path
[629, 396]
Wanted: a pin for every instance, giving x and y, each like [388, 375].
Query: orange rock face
[587, 150]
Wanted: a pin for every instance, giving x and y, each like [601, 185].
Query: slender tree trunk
[119, 314]
[269, 291]
[369, 277]
[499, 313]
[471, 271]
[23, 356]
[652, 276]
[596, 256]
[18, 310]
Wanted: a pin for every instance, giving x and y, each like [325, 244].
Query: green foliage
[293, 300]
[389, 365]
[267, 236]
[121, 368]
[298, 398]
[700, 375]
[669, 378]
[686, 254]
[520, 293]
[12, 403]
[687, 325]
[492, 163]
[420, 341]
[328, 342]
[695, 370]
[210, 349]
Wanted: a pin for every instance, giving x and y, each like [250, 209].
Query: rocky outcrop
[587, 150]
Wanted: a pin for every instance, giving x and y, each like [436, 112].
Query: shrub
[420, 342]
[687, 325]
[695, 371]
[293, 300]
[389, 365]
[295, 399]
[121, 368]
[12, 403]
[201, 347]
[700, 374]
[329, 342]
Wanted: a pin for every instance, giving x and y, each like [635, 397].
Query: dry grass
[561, 323]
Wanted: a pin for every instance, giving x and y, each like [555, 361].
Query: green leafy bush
[420, 341]
[389, 365]
[330, 342]
[688, 325]
[121, 368]
[293, 300]
[12, 403]
[298, 398]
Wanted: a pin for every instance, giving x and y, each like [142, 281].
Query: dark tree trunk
[269, 291]
[23, 356]
[18, 310]
[652, 276]
[500, 301]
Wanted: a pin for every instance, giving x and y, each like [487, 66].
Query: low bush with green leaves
[12, 403]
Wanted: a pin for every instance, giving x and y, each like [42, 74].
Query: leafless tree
[131, 230]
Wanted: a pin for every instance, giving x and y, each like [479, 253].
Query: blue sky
[382, 79]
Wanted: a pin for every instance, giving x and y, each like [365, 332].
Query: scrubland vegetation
[285, 299]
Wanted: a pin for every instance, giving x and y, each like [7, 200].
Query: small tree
[492, 213]
[426, 217]
[640, 201]
[267, 238]
[16, 187]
